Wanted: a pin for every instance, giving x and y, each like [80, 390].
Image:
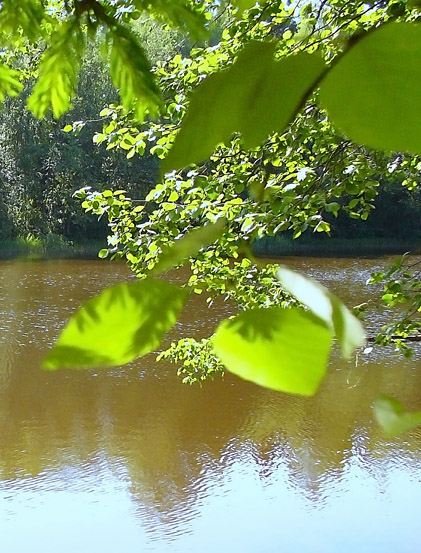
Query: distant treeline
[394, 226]
[42, 166]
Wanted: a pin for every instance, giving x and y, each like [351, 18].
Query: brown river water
[130, 460]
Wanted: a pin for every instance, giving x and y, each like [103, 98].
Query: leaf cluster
[401, 284]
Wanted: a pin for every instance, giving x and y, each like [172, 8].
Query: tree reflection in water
[176, 450]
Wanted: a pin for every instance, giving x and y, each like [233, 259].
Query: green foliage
[282, 349]
[197, 357]
[402, 288]
[9, 82]
[159, 41]
[188, 16]
[122, 323]
[43, 166]
[255, 96]
[244, 5]
[58, 71]
[131, 73]
[26, 20]
[302, 179]
[65, 27]
[392, 418]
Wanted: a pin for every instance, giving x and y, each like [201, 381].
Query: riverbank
[55, 247]
[333, 247]
[51, 247]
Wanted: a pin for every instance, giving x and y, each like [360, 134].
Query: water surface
[131, 460]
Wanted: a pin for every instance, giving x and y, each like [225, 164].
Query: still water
[131, 460]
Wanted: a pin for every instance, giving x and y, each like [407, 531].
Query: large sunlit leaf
[283, 349]
[373, 93]
[189, 245]
[392, 418]
[122, 323]
[326, 306]
[256, 96]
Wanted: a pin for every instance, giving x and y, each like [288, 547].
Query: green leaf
[373, 93]
[103, 253]
[124, 322]
[58, 72]
[282, 349]
[332, 207]
[326, 306]
[255, 96]
[189, 245]
[392, 418]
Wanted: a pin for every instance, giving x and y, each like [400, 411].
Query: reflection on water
[130, 460]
